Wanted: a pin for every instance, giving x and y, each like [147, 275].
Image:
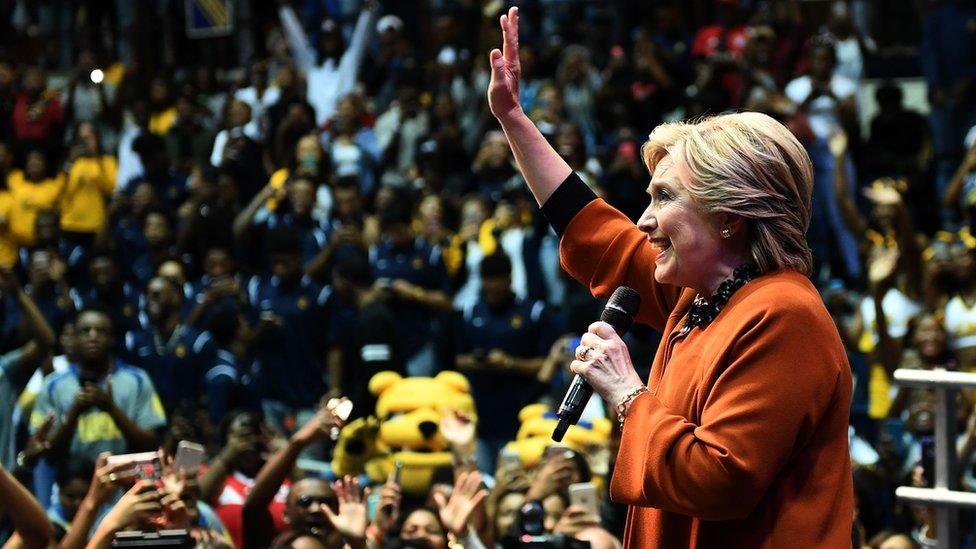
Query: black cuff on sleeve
[571, 196]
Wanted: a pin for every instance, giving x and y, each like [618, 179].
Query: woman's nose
[647, 221]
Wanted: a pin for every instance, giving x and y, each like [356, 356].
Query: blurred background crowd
[217, 215]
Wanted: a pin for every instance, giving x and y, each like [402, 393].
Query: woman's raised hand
[503, 90]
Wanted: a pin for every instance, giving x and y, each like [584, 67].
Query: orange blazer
[742, 439]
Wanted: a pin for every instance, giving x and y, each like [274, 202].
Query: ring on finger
[583, 353]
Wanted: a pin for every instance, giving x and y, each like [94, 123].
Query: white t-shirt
[346, 159]
[822, 113]
[899, 309]
[850, 62]
[960, 322]
[259, 105]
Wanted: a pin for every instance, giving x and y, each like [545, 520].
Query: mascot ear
[532, 410]
[383, 381]
[453, 380]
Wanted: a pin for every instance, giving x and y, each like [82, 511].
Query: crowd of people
[209, 240]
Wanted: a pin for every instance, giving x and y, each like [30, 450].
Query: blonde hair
[746, 164]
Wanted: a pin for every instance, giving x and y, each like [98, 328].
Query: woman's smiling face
[687, 238]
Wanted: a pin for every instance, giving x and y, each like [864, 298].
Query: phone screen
[508, 459]
[583, 494]
[145, 465]
[556, 451]
[189, 457]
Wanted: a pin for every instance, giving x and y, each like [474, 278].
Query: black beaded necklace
[703, 311]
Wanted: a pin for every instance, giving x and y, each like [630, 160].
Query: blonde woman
[739, 437]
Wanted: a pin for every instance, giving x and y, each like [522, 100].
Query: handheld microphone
[619, 313]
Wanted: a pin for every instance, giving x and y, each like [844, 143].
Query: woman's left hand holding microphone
[602, 359]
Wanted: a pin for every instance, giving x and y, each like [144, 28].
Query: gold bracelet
[623, 404]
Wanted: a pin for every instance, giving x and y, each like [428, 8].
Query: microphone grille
[626, 299]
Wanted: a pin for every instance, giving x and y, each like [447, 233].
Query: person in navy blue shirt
[175, 270]
[125, 234]
[415, 285]
[220, 286]
[48, 236]
[502, 343]
[169, 184]
[344, 228]
[156, 247]
[107, 290]
[294, 212]
[228, 384]
[363, 332]
[48, 287]
[176, 356]
[290, 338]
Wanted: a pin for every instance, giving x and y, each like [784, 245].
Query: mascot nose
[355, 447]
[428, 429]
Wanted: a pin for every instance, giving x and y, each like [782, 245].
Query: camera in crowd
[529, 531]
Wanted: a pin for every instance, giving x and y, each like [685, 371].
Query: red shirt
[36, 119]
[230, 502]
[707, 40]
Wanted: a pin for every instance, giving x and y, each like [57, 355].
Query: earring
[726, 232]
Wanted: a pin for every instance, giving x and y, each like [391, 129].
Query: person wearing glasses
[306, 501]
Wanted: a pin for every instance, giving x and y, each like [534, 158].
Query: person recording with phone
[743, 421]
[84, 489]
[556, 507]
[230, 475]
[161, 494]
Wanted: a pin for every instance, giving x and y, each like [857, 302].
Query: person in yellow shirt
[8, 244]
[32, 190]
[163, 109]
[91, 180]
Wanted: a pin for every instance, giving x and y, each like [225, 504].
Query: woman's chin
[662, 275]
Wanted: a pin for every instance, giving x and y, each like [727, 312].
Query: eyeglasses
[305, 501]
